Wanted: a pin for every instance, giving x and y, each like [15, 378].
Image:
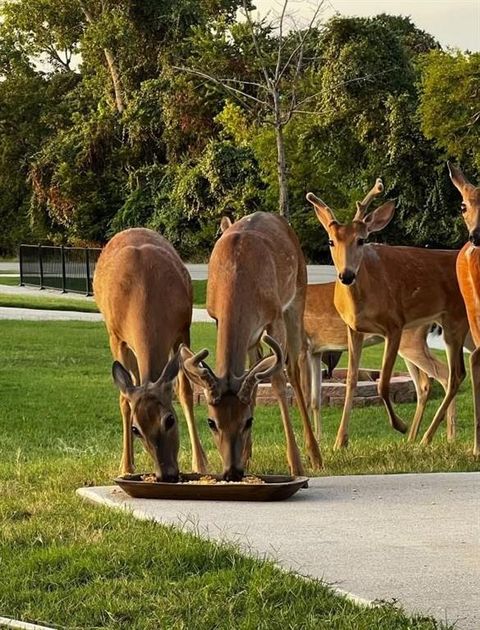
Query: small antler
[261, 370]
[200, 373]
[362, 206]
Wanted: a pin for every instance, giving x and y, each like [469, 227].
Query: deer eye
[135, 430]
[168, 422]
[361, 241]
[248, 424]
[212, 424]
[463, 206]
[330, 242]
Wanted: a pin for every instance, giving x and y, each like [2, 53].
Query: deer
[256, 288]
[144, 292]
[383, 289]
[468, 275]
[327, 332]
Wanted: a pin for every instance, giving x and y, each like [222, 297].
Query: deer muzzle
[347, 277]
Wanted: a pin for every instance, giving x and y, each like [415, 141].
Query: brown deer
[144, 292]
[326, 332]
[382, 289]
[256, 282]
[468, 274]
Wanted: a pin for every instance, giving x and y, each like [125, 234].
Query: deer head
[154, 420]
[230, 403]
[346, 241]
[470, 205]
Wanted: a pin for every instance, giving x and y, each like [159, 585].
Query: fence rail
[67, 269]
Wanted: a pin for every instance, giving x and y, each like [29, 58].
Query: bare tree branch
[302, 38]
[280, 40]
[223, 84]
[258, 50]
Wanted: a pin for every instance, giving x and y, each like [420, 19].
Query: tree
[450, 104]
[274, 94]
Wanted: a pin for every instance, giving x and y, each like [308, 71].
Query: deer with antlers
[383, 289]
[145, 294]
[326, 332]
[468, 274]
[256, 282]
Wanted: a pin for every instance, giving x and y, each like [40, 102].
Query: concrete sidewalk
[411, 538]
[37, 314]
[316, 273]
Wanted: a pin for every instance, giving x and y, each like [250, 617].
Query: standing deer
[145, 294]
[382, 289]
[326, 331]
[256, 282]
[468, 274]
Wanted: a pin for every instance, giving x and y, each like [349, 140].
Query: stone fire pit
[402, 389]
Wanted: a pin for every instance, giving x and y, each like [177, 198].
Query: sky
[455, 23]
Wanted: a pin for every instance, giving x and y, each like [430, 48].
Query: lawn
[43, 301]
[72, 565]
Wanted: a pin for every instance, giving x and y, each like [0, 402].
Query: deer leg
[422, 387]
[254, 355]
[127, 463]
[355, 342]
[414, 350]
[122, 353]
[279, 388]
[185, 396]
[316, 394]
[389, 355]
[296, 351]
[475, 375]
[456, 374]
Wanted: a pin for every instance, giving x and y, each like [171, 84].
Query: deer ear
[225, 223]
[170, 371]
[122, 379]
[380, 218]
[458, 178]
[323, 212]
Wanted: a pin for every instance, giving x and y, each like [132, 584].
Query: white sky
[455, 23]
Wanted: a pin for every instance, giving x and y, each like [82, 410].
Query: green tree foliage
[100, 130]
[450, 104]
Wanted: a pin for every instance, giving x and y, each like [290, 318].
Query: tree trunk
[283, 206]
[117, 84]
[112, 67]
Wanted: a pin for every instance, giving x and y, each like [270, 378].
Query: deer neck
[151, 359]
[232, 349]
[350, 301]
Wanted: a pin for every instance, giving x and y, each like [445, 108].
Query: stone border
[402, 390]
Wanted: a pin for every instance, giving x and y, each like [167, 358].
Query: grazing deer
[326, 331]
[256, 282]
[382, 289]
[145, 294]
[468, 274]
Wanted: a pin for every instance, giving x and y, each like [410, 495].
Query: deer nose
[475, 237]
[347, 276]
[233, 474]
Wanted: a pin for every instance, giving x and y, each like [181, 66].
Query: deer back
[255, 271]
[145, 294]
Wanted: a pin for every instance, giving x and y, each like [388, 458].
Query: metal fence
[68, 269]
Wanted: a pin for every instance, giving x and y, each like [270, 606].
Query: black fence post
[87, 269]
[20, 257]
[64, 274]
[40, 264]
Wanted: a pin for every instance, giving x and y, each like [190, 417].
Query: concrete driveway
[411, 538]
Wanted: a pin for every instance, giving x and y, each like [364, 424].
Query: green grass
[13, 281]
[47, 302]
[42, 301]
[72, 565]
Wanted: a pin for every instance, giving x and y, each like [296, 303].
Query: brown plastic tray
[275, 488]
